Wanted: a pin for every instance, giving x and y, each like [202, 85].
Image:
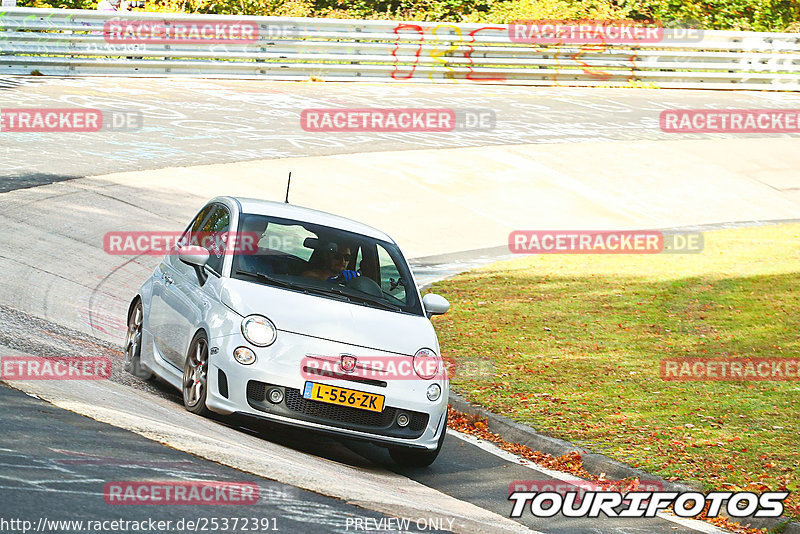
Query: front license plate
[343, 397]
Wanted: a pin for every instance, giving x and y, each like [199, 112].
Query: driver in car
[333, 267]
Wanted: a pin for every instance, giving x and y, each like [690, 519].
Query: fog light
[434, 392]
[402, 420]
[244, 355]
[275, 396]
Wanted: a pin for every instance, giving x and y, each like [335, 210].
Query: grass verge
[573, 344]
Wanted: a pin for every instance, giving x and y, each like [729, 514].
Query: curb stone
[594, 463]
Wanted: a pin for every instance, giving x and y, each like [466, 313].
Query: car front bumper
[242, 389]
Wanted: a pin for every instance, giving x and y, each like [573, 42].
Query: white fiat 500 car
[299, 317]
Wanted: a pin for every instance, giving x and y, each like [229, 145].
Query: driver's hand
[349, 275]
[345, 276]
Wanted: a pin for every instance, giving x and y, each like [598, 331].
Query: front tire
[408, 457]
[195, 376]
[133, 343]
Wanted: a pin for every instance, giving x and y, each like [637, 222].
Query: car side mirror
[193, 255]
[435, 304]
[196, 257]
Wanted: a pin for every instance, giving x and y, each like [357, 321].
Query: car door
[186, 299]
[164, 318]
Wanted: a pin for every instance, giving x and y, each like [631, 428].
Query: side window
[188, 237]
[390, 276]
[367, 262]
[214, 234]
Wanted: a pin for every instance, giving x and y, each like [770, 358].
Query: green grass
[575, 341]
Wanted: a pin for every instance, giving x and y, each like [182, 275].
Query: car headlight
[434, 392]
[244, 355]
[259, 330]
[426, 364]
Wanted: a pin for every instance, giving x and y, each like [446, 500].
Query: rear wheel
[408, 457]
[195, 376]
[133, 343]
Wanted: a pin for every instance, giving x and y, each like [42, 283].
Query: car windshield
[324, 261]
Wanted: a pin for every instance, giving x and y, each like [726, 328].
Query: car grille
[333, 412]
[324, 412]
[256, 391]
[341, 376]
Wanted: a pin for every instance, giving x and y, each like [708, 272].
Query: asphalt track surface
[56, 470]
[196, 122]
[201, 121]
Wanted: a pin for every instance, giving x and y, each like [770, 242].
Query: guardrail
[87, 43]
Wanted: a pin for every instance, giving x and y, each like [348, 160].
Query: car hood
[330, 319]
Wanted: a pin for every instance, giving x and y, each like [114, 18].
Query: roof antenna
[287, 187]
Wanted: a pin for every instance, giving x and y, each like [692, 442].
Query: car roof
[299, 213]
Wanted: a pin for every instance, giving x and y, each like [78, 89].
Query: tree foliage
[756, 15]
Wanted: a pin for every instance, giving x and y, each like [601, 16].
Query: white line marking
[49, 490]
[694, 524]
[54, 481]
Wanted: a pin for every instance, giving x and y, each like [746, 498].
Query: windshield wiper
[275, 281]
[324, 291]
[379, 304]
[289, 285]
[354, 297]
[367, 300]
[332, 291]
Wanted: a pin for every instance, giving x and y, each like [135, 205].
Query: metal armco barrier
[79, 43]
